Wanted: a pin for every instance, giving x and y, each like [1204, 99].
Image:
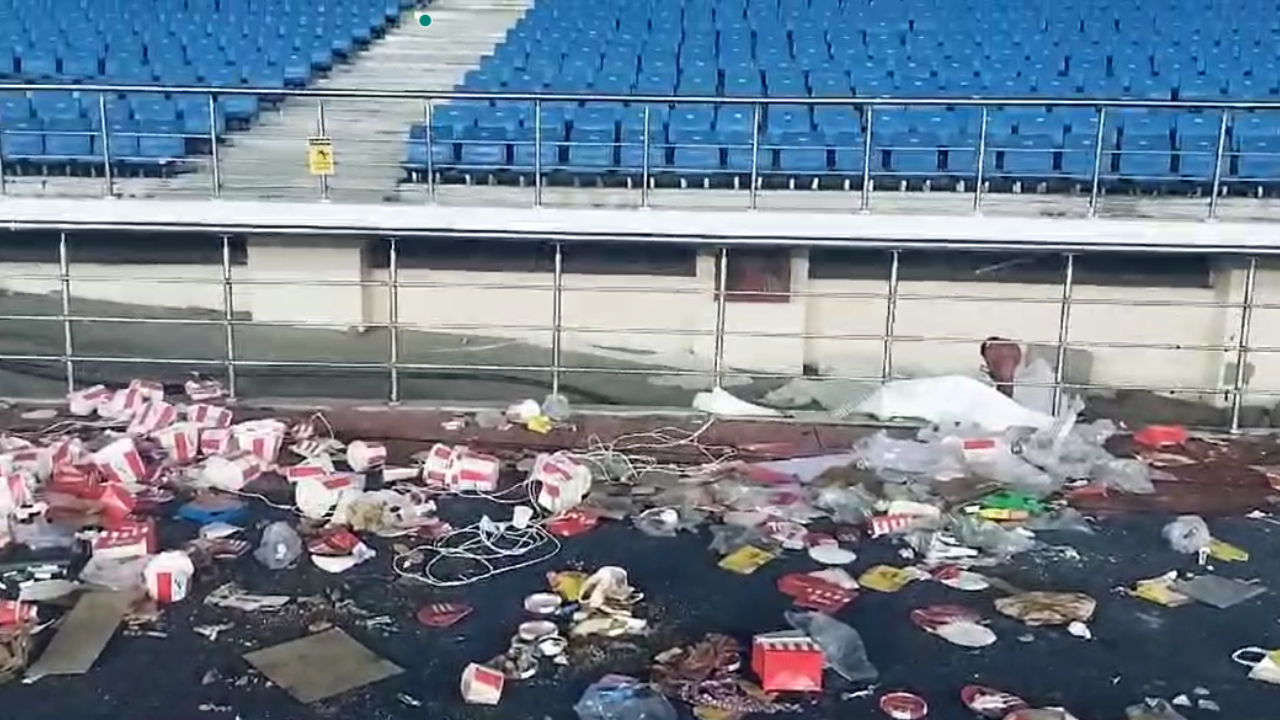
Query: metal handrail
[867, 106]
[454, 95]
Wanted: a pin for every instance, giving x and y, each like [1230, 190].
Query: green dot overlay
[424, 20]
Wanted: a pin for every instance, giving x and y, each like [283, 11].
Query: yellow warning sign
[320, 155]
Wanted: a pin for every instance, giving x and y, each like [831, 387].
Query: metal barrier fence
[53, 339]
[1223, 150]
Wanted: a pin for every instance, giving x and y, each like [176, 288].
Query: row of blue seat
[801, 154]
[76, 141]
[1174, 125]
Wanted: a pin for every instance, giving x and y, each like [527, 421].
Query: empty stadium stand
[217, 44]
[804, 50]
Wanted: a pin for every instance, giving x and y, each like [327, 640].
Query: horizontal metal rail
[1212, 182]
[249, 351]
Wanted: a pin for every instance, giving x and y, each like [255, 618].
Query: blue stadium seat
[69, 141]
[269, 44]
[592, 149]
[22, 139]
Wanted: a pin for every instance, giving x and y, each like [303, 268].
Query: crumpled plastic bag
[621, 697]
[842, 646]
[989, 537]
[1187, 534]
[1126, 475]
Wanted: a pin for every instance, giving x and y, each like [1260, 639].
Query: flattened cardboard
[84, 634]
[321, 666]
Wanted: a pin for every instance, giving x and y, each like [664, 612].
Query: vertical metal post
[108, 181]
[228, 316]
[431, 152]
[982, 160]
[755, 154]
[644, 167]
[1242, 342]
[214, 156]
[1217, 163]
[557, 316]
[866, 162]
[890, 317]
[722, 307]
[4, 190]
[537, 152]
[321, 131]
[1097, 161]
[64, 283]
[1064, 327]
[393, 316]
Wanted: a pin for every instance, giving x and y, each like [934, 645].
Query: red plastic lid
[440, 615]
[989, 702]
[1157, 436]
[904, 706]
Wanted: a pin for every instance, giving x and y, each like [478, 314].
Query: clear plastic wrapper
[842, 646]
[1126, 475]
[619, 697]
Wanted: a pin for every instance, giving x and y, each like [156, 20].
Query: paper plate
[832, 555]
[989, 702]
[904, 706]
[966, 634]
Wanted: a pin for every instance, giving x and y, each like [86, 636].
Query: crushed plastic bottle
[621, 697]
[1187, 534]
[841, 645]
[557, 407]
[280, 546]
[490, 419]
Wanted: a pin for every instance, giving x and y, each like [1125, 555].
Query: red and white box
[83, 403]
[882, 525]
[126, 403]
[461, 469]
[216, 441]
[562, 481]
[260, 437]
[65, 452]
[120, 462]
[168, 576]
[13, 612]
[309, 470]
[129, 539]
[475, 472]
[317, 497]
[787, 661]
[80, 480]
[233, 472]
[118, 502]
[978, 449]
[152, 417]
[181, 442]
[363, 456]
[34, 461]
[438, 464]
[15, 491]
[203, 390]
[210, 416]
[482, 685]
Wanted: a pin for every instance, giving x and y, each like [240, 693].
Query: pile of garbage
[80, 502]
